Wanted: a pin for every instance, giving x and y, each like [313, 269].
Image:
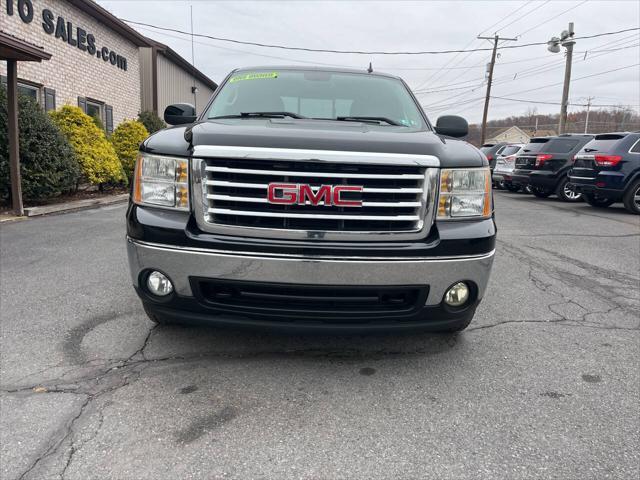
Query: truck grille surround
[397, 195]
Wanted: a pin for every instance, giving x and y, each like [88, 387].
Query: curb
[74, 206]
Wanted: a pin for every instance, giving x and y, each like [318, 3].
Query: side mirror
[452, 126]
[179, 113]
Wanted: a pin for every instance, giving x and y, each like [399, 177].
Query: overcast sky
[521, 73]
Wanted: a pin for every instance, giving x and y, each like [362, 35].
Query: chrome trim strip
[225, 183]
[230, 198]
[304, 155]
[328, 258]
[247, 171]
[323, 216]
[182, 264]
[583, 178]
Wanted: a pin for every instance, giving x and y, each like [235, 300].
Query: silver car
[504, 166]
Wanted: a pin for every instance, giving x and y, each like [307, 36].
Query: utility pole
[567, 41]
[495, 39]
[586, 122]
[194, 89]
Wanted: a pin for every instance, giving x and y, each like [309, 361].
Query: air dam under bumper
[186, 266]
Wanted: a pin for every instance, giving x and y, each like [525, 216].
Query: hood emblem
[305, 194]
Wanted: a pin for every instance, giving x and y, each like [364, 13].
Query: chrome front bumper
[180, 263]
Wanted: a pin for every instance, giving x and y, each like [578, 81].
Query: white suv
[505, 163]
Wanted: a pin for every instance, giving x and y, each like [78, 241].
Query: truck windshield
[317, 95]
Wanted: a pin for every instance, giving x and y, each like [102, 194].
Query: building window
[26, 89]
[29, 91]
[98, 110]
[94, 109]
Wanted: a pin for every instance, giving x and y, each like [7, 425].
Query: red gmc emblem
[301, 194]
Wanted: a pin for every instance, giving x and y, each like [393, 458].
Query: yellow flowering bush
[94, 152]
[126, 140]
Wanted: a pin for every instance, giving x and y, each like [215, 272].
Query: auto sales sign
[64, 30]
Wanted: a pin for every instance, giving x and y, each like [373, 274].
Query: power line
[529, 72]
[473, 102]
[537, 7]
[507, 16]
[552, 103]
[362, 52]
[552, 18]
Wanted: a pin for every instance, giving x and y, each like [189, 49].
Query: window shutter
[108, 110]
[82, 103]
[49, 99]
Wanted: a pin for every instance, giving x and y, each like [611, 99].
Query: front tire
[567, 194]
[540, 192]
[598, 202]
[631, 198]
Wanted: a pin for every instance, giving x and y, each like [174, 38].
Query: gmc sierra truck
[311, 199]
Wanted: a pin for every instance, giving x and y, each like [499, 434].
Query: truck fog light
[159, 284]
[457, 295]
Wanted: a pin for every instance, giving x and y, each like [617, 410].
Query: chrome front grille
[397, 196]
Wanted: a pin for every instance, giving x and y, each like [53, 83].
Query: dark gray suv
[544, 165]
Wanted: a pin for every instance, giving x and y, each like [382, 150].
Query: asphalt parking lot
[545, 383]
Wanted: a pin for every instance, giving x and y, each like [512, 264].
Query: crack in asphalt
[588, 235]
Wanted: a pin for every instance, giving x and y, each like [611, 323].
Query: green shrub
[47, 163]
[95, 154]
[151, 121]
[126, 140]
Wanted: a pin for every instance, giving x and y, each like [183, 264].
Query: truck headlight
[465, 193]
[161, 181]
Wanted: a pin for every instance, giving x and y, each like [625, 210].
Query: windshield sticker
[254, 76]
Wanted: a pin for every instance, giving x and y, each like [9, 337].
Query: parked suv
[315, 199]
[607, 170]
[505, 164]
[491, 151]
[544, 165]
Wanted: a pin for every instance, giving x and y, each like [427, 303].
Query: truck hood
[314, 135]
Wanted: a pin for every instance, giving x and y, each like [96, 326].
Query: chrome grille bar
[230, 198]
[282, 214]
[222, 183]
[315, 174]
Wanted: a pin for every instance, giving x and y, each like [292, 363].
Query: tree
[48, 165]
[151, 121]
[95, 154]
[126, 140]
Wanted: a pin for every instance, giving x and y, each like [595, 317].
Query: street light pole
[567, 41]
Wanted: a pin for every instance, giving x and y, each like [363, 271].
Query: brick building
[96, 60]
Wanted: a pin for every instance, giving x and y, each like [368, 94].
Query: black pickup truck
[317, 199]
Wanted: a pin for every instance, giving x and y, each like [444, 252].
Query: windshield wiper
[261, 114]
[367, 119]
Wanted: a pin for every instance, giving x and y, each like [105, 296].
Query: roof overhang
[110, 21]
[176, 58]
[12, 48]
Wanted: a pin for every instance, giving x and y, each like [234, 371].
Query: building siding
[174, 86]
[72, 72]
[146, 79]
